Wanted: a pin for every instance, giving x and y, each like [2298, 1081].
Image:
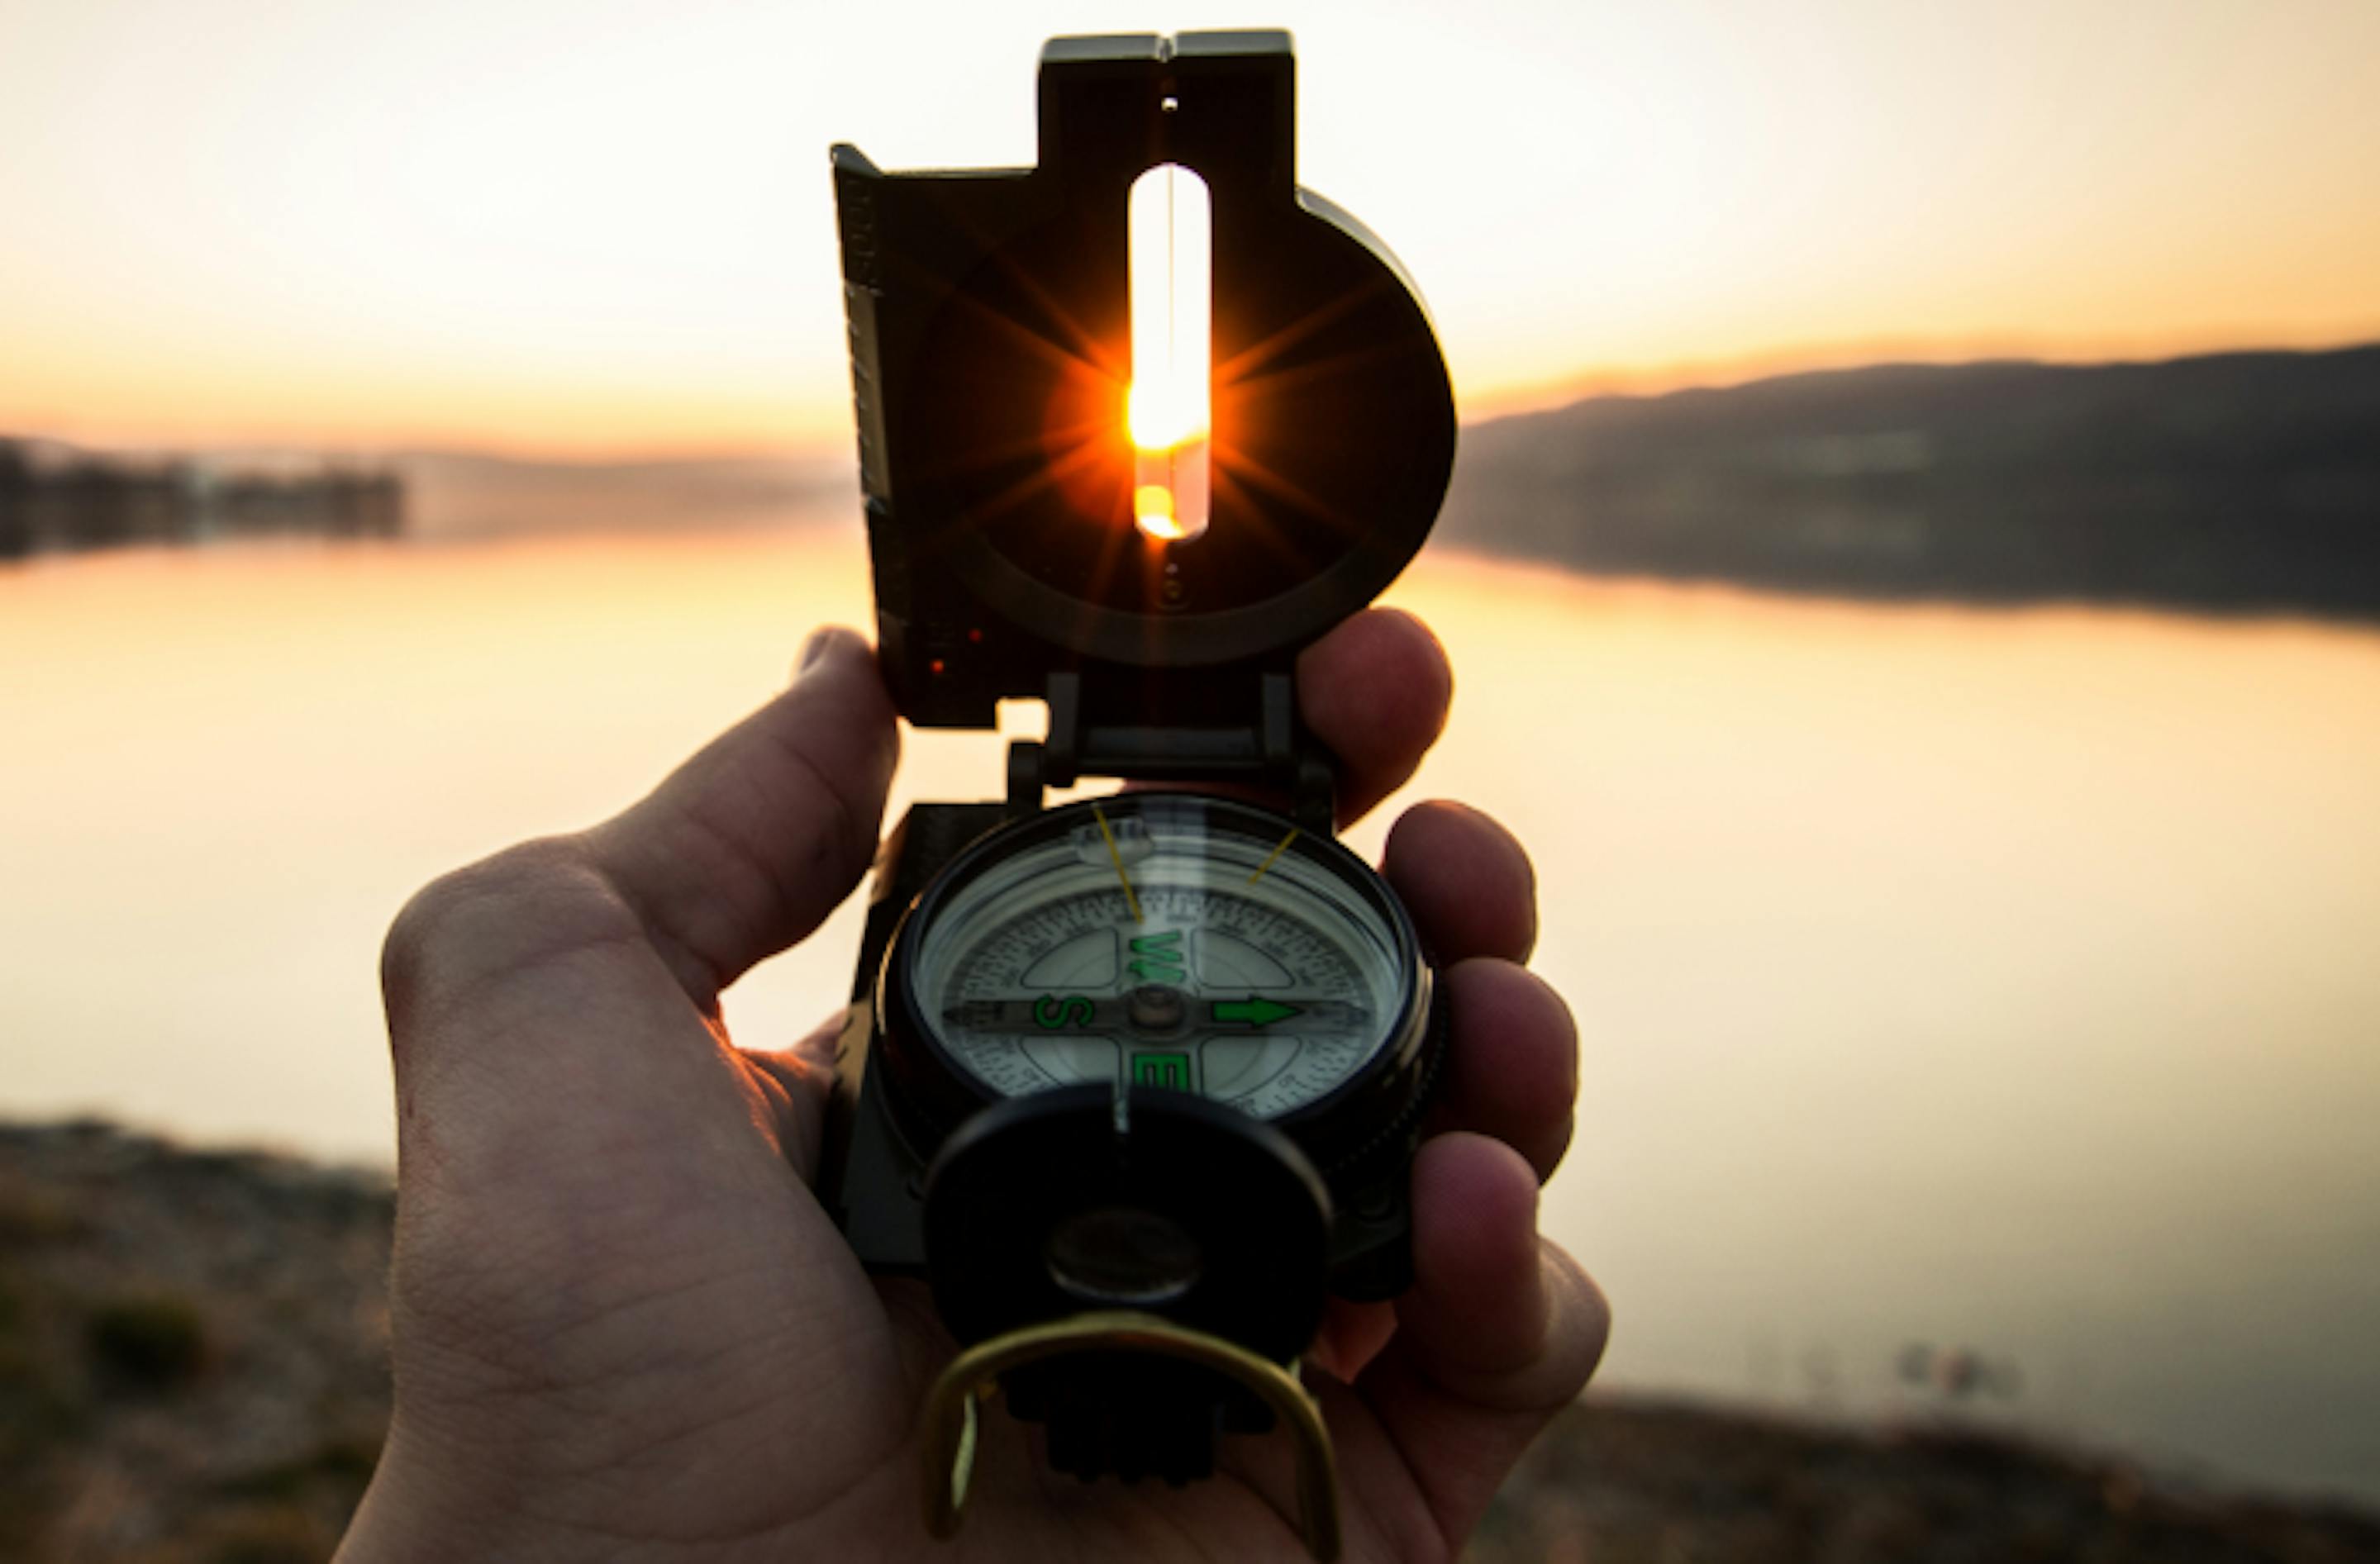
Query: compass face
[1180, 942]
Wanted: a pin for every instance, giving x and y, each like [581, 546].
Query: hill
[2235, 481]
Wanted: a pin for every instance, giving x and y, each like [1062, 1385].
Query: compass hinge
[1266, 748]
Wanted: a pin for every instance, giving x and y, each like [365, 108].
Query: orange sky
[603, 227]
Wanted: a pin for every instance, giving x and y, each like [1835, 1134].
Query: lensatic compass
[1135, 1082]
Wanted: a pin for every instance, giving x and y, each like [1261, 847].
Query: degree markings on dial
[1019, 943]
[1008, 1015]
[1009, 950]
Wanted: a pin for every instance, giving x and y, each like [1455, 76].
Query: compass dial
[1174, 942]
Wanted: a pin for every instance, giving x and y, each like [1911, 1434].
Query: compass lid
[1014, 546]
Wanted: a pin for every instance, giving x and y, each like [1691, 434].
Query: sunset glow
[607, 227]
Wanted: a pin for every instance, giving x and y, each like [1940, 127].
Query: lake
[1998, 980]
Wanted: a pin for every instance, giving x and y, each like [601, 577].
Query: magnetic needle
[1135, 1082]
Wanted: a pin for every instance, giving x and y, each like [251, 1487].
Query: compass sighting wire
[1279, 848]
[1115, 856]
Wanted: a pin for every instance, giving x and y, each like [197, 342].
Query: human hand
[624, 1326]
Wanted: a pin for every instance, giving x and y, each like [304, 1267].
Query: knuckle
[490, 914]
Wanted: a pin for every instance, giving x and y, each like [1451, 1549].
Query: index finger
[1376, 691]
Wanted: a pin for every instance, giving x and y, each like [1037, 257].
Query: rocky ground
[193, 1351]
[193, 1371]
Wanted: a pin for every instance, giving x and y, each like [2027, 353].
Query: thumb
[747, 847]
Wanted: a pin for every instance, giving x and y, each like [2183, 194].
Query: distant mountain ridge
[2232, 481]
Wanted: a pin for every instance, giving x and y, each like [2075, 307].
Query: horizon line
[1618, 382]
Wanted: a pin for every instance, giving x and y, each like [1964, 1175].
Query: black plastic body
[966, 1194]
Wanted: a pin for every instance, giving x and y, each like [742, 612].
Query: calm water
[2001, 979]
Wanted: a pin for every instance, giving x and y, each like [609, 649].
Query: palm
[622, 1316]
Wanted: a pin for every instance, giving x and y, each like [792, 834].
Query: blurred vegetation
[149, 1341]
[263, 1534]
[54, 499]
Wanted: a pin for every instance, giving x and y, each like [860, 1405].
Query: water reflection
[1997, 979]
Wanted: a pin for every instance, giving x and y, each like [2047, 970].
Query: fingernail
[812, 650]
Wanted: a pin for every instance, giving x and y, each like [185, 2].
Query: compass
[1134, 1082]
[1171, 941]
[1166, 942]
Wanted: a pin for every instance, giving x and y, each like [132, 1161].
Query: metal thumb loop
[948, 1447]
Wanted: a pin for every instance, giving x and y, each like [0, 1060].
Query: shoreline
[193, 1349]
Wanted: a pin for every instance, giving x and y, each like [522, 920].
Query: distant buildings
[56, 501]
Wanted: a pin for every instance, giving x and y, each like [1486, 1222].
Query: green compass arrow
[1253, 1011]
